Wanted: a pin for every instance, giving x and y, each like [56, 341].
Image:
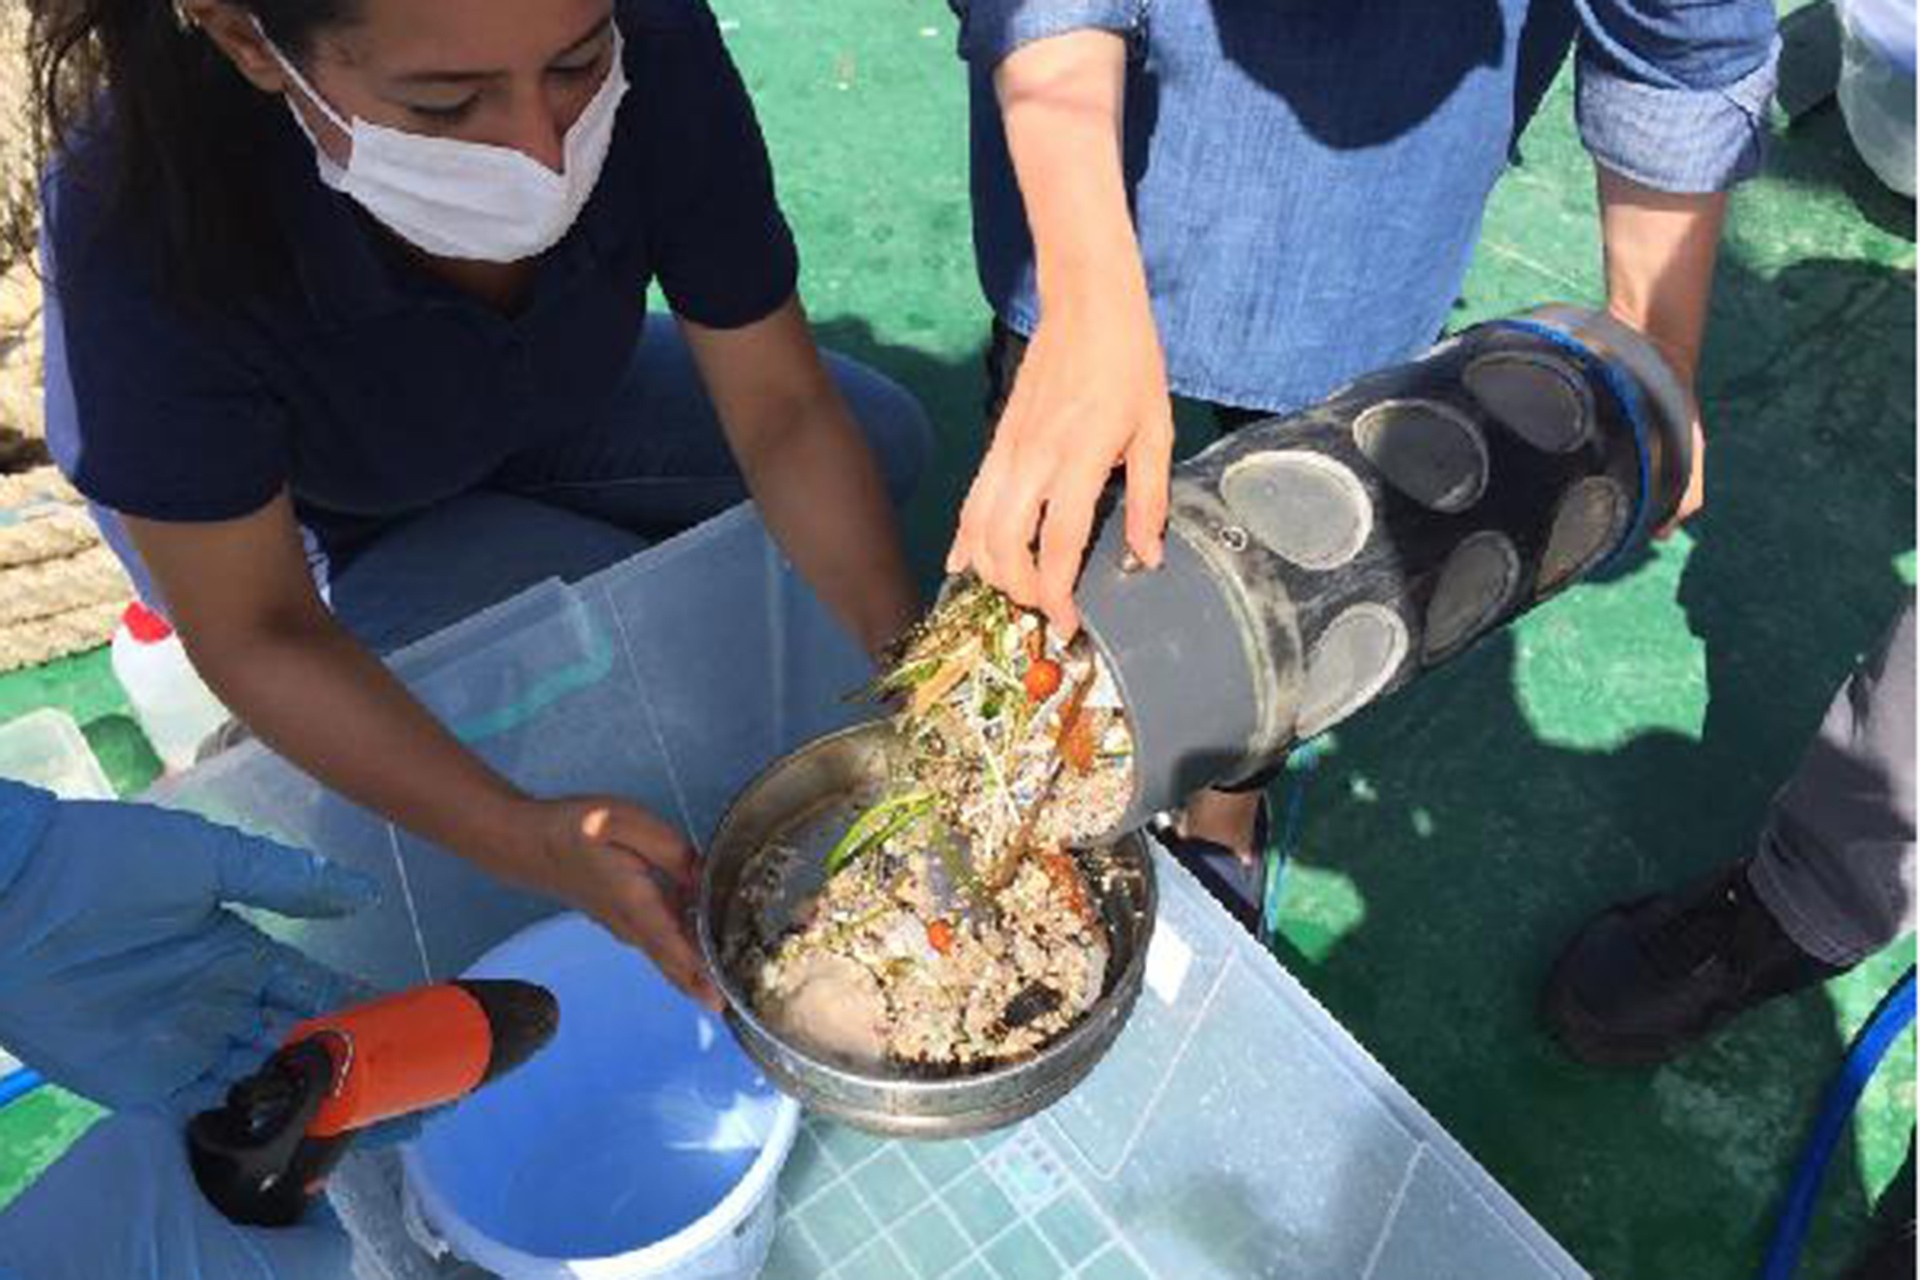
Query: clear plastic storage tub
[46, 749]
[1235, 1132]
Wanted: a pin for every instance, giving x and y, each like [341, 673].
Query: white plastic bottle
[173, 705]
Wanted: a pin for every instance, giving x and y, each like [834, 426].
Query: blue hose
[1893, 1016]
[18, 1083]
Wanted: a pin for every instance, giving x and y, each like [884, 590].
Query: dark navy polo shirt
[370, 388]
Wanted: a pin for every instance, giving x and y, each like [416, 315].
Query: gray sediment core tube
[1319, 560]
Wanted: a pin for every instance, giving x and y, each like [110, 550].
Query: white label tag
[1168, 960]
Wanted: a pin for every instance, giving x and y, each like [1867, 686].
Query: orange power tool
[265, 1154]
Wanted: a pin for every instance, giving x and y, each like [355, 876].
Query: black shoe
[1646, 979]
[1238, 886]
[1891, 1257]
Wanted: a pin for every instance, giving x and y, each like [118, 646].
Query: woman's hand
[1092, 391]
[1091, 395]
[627, 869]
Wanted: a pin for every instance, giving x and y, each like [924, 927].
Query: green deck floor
[1623, 737]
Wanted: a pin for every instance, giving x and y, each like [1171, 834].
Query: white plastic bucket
[640, 1144]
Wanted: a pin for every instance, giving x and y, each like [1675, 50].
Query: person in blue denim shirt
[1249, 203]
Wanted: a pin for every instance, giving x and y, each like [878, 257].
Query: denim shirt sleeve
[990, 30]
[24, 814]
[1673, 93]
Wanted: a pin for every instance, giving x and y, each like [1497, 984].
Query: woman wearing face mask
[345, 340]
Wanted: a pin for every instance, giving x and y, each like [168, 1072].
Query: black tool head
[523, 1017]
[244, 1153]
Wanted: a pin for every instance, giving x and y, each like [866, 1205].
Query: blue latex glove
[123, 974]
[123, 1204]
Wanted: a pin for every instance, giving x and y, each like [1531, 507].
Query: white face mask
[469, 200]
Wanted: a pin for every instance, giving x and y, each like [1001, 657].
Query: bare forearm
[822, 497]
[1660, 251]
[1091, 395]
[313, 694]
[1061, 100]
[808, 467]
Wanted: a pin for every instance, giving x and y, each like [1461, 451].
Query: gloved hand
[123, 1203]
[124, 977]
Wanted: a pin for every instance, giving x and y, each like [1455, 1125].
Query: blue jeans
[657, 464]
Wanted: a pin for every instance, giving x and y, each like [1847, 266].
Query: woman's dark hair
[168, 130]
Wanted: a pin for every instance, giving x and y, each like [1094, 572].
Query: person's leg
[1832, 881]
[658, 462]
[431, 570]
[1835, 865]
[113, 532]
[404, 581]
